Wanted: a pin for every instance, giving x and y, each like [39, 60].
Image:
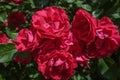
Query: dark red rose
[83, 26]
[23, 58]
[107, 39]
[66, 41]
[26, 40]
[3, 38]
[51, 22]
[47, 45]
[15, 1]
[57, 65]
[16, 18]
[78, 51]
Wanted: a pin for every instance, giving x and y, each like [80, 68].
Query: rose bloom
[78, 51]
[47, 45]
[66, 41]
[107, 40]
[26, 40]
[3, 38]
[51, 22]
[57, 65]
[83, 26]
[16, 19]
[15, 1]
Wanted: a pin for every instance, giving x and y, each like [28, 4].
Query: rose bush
[91, 38]
[59, 40]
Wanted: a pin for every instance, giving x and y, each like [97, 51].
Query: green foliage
[103, 66]
[103, 69]
[6, 52]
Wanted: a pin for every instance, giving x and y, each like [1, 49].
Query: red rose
[57, 65]
[16, 18]
[47, 45]
[3, 38]
[107, 39]
[15, 1]
[26, 40]
[78, 51]
[83, 26]
[51, 22]
[66, 41]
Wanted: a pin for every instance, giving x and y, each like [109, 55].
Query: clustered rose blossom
[107, 39]
[58, 49]
[96, 38]
[15, 1]
[49, 37]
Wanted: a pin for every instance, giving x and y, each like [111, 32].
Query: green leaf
[75, 77]
[102, 66]
[87, 7]
[36, 75]
[78, 77]
[40, 3]
[3, 16]
[112, 73]
[117, 3]
[109, 61]
[97, 12]
[88, 77]
[24, 55]
[6, 64]
[1, 77]
[70, 1]
[116, 15]
[8, 7]
[79, 3]
[7, 51]
[10, 33]
[44, 2]
[13, 35]
[32, 3]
